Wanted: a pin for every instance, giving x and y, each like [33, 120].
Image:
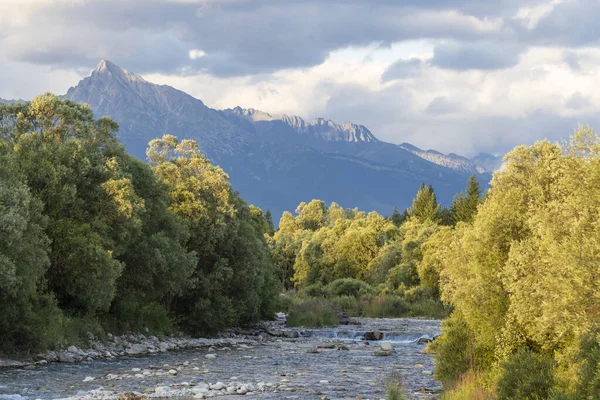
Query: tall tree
[397, 218]
[425, 206]
[269, 222]
[464, 205]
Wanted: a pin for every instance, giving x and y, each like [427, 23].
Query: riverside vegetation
[94, 240]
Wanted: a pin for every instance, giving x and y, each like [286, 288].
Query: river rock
[386, 346]
[136, 349]
[210, 356]
[383, 353]
[275, 332]
[88, 379]
[373, 335]
[292, 334]
[65, 357]
[424, 340]
[217, 386]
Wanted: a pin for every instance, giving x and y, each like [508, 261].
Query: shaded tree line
[91, 237]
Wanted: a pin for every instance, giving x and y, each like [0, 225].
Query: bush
[395, 390]
[385, 307]
[470, 387]
[314, 290]
[526, 376]
[453, 353]
[311, 314]
[589, 377]
[346, 304]
[350, 287]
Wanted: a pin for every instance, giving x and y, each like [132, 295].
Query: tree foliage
[89, 232]
[522, 275]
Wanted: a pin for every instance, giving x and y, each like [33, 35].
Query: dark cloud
[570, 23]
[480, 55]
[239, 37]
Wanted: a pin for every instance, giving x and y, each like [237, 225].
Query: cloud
[455, 75]
[238, 37]
[481, 55]
[403, 68]
[441, 105]
[577, 101]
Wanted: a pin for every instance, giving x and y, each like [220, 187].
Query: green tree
[233, 280]
[397, 218]
[464, 205]
[425, 206]
[70, 163]
[269, 222]
[29, 316]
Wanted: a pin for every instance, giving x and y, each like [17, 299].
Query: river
[332, 363]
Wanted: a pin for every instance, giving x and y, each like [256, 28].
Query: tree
[233, 279]
[397, 218]
[425, 206]
[269, 222]
[70, 163]
[522, 276]
[464, 205]
[29, 316]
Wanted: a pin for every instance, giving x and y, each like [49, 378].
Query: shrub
[385, 307]
[314, 290]
[589, 376]
[469, 387]
[311, 314]
[346, 304]
[453, 352]
[429, 308]
[350, 287]
[395, 389]
[525, 376]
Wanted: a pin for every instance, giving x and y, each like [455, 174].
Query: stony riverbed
[332, 363]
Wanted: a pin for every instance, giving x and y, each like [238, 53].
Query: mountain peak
[106, 68]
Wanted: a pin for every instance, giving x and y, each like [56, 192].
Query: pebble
[88, 379]
[210, 356]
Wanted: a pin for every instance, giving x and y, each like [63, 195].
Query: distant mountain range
[278, 161]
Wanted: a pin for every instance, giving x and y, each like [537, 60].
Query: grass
[469, 387]
[395, 390]
[311, 314]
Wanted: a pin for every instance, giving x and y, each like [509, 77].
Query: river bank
[332, 363]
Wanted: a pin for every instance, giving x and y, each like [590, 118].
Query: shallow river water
[345, 366]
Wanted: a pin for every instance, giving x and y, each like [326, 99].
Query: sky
[462, 76]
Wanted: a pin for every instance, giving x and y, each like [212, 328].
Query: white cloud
[195, 54]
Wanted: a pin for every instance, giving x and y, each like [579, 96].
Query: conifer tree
[425, 206]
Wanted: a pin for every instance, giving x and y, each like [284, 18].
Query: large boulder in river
[373, 335]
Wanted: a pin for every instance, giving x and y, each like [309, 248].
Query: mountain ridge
[275, 162]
